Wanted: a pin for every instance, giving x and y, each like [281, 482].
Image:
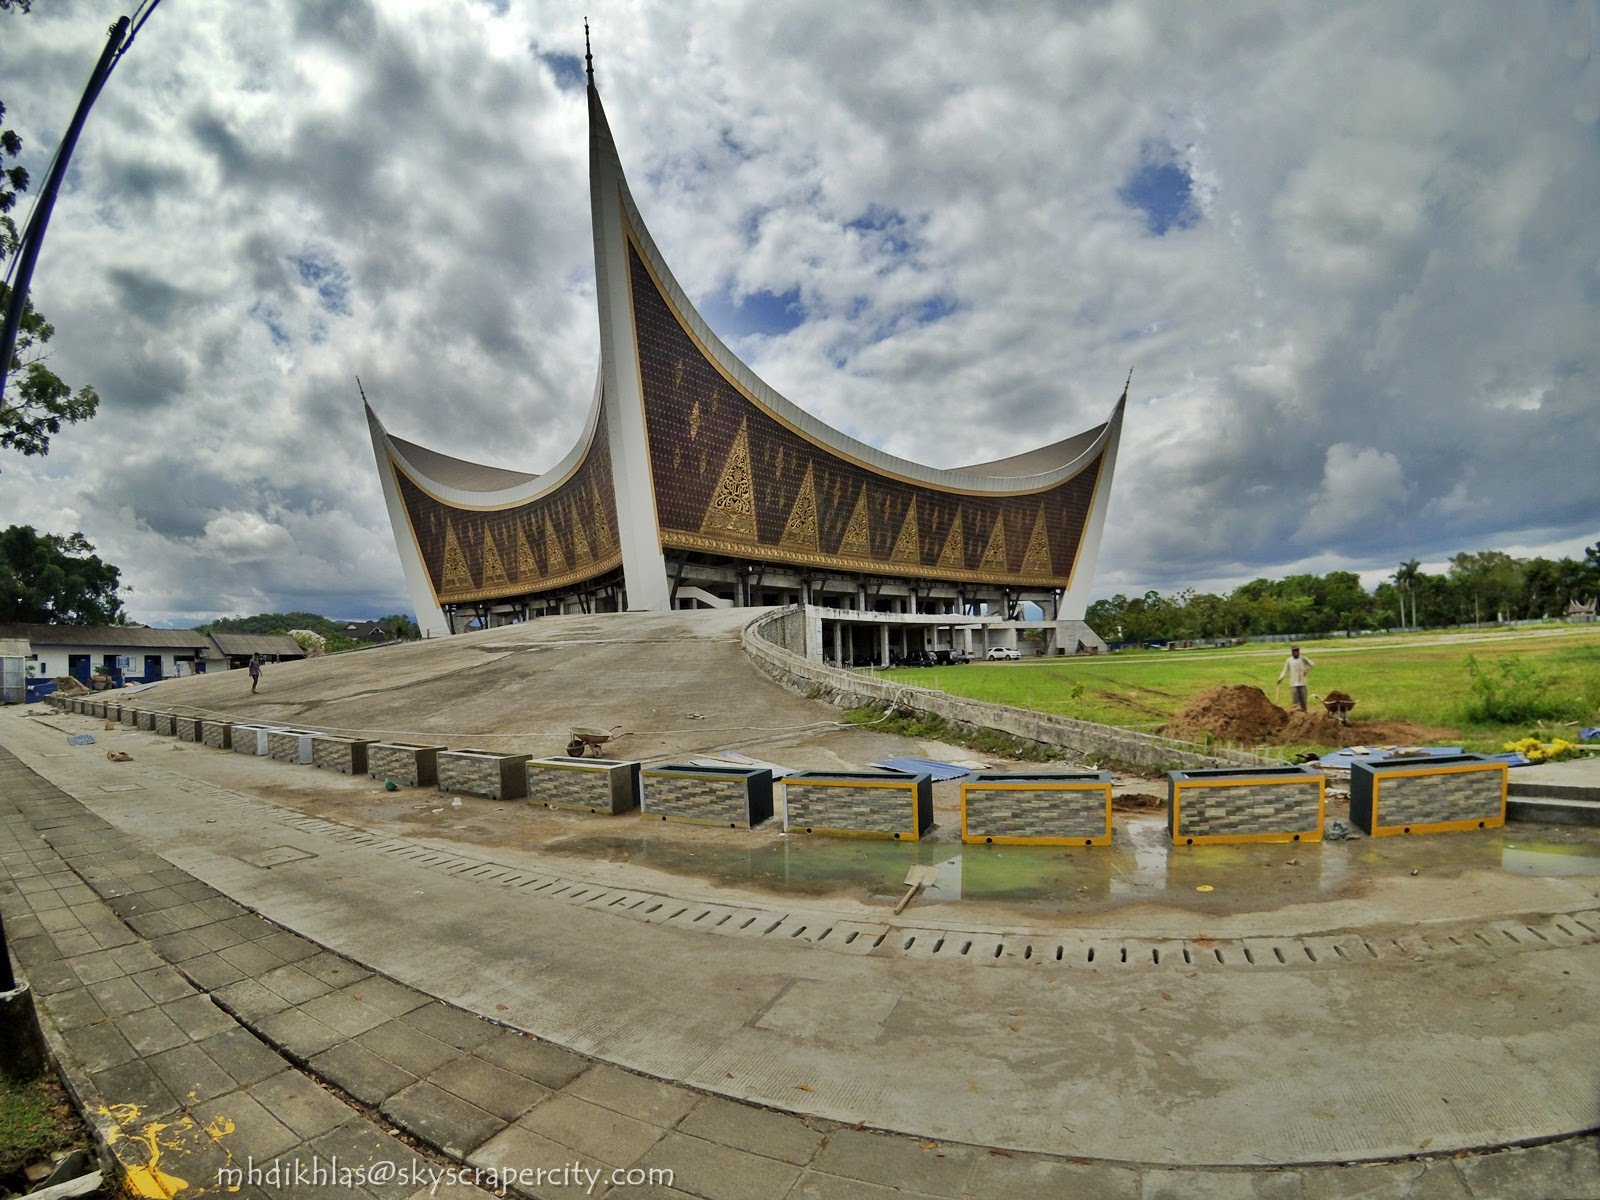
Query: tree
[47, 579]
[1406, 580]
[37, 402]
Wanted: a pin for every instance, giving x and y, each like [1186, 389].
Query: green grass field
[1420, 679]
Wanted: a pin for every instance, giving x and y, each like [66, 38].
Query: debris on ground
[80, 739]
[1246, 716]
[119, 756]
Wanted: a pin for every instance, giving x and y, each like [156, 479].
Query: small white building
[124, 652]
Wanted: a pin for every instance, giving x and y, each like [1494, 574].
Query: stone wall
[409, 766]
[1082, 739]
[348, 756]
[706, 796]
[1037, 808]
[847, 803]
[1235, 807]
[188, 729]
[165, 724]
[250, 739]
[130, 716]
[217, 734]
[289, 745]
[481, 773]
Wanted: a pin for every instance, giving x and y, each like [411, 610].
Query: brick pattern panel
[1040, 811]
[166, 724]
[130, 716]
[217, 734]
[1430, 799]
[409, 766]
[878, 810]
[348, 756]
[289, 746]
[497, 776]
[1253, 808]
[188, 729]
[592, 787]
[146, 721]
[697, 798]
[249, 739]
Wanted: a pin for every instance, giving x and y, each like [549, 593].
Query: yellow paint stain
[145, 1180]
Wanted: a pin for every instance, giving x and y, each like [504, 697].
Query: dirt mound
[1315, 727]
[66, 685]
[1337, 697]
[1234, 713]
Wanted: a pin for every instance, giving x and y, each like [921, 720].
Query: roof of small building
[106, 635]
[279, 644]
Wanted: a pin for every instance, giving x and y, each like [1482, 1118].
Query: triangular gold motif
[1037, 560]
[602, 526]
[857, 541]
[494, 571]
[457, 578]
[800, 532]
[580, 542]
[732, 511]
[994, 555]
[954, 553]
[555, 562]
[527, 566]
[908, 546]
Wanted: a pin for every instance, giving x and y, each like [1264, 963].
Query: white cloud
[1360, 485]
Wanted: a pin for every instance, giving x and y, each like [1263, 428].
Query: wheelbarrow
[585, 738]
[1340, 709]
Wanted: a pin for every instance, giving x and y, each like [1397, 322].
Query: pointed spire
[588, 58]
[1126, 386]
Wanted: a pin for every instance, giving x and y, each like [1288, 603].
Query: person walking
[1297, 666]
[255, 672]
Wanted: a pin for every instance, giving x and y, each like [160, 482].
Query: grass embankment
[1420, 679]
[35, 1119]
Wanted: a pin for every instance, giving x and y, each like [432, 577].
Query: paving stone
[96, 967]
[293, 984]
[369, 1077]
[120, 996]
[251, 927]
[442, 1120]
[334, 970]
[1220, 1184]
[405, 1047]
[151, 1031]
[590, 1130]
[459, 1029]
[250, 958]
[516, 1149]
[1384, 1181]
[255, 1133]
[775, 1135]
[721, 1172]
[896, 1162]
[71, 943]
[489, 1087]
[136, 1083]
[250, 999]
[186, 916]
[98, 1047]
[48, 978]
[358, 1143]
[339, 1011]
[209, 971]
[533, 1059]
[180, 948]
[290, 947]
[163, 984]
[191, 1074]
[298, 1035]
[194, 890]
[648, 1100]
[70, 1010]
[198, 1017]
[112, 935]
[220, 908]
[242, 1055]
[1031, 1177]
[300, 1103]
[390, 998]
[1560, 1169]
[818, 1185]
[57, 920]
[216, 936]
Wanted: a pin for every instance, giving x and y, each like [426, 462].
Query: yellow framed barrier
[1434, 794]
[871, 804]
[1245, 804]
[590, 785]
[733, 796]
[1062, 808]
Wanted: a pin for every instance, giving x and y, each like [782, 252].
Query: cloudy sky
[1350, 252]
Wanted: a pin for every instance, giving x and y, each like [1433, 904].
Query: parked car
[998, 653]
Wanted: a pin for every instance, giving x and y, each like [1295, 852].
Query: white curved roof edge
[531, 487]
[964, 478]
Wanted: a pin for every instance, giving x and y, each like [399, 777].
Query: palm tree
[1405, 578]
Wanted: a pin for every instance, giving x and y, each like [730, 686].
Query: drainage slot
[1186, 957]
[878, 941]
[1217, 953]
[1027, 953]
[771, 927]
[909, 942]
[1122, 955]
[749, 921]
[1565, 930]
[1339, 950]
[797, 932]
[1537, 934]
[1249, 957]
[965, 946]
[1278, 954]
[825, 933]
[649, 910]
[1155, 956]
[1370, 950]
[938, 946]
[1581, 925]
[1311, 954]
[1060, 952]
[1091, 955]
[851, 936]
[1510, 935]
[999, 949]
[1483, 939]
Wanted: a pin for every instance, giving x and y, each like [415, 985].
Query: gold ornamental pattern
[731, 478]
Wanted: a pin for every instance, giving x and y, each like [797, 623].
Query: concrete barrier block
[188, 729]
[1062, 808]
[1428, 794]
[217, 734]
[1245, 804]
[739, 797]
[591, 785]
[875, 804]
[348, 756]
[484, 773]
[407, 765]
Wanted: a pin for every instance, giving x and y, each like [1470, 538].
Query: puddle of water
[1547, 858]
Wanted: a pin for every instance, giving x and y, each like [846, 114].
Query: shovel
[916, 879]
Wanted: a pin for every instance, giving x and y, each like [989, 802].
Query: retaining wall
[766, 639]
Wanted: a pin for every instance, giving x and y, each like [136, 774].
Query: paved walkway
[174, 1006]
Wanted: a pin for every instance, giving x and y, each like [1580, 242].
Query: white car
[1000, 653]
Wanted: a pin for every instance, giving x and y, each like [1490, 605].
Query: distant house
[1579, 611]
[232, 650]
[127, 653]
[366, 631]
